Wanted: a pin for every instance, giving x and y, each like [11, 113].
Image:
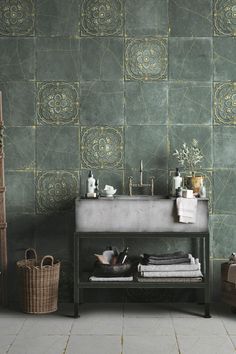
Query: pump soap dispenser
[176, 182]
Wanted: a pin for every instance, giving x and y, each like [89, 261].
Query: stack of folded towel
[171, 267]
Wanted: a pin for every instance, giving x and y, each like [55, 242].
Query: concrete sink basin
[135, 214]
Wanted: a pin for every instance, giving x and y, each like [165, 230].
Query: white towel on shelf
[93, 278]
[187, 210]
[179, 274]
[169, 267]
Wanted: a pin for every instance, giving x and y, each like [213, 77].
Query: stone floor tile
[100, 324]
[94, 344]
[5, 342]
[51, 344]
[40, 326]
[149, 345]
[205, 344]
[146, 310]
[230, 324]
[10, 325]
[148, 326]
[199, 326]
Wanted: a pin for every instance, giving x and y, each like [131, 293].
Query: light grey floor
[121, 329]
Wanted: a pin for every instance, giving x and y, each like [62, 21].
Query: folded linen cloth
[169, 267]
[232, 273]
[93, 278]
[171, 280]
[168, 261]
[169, 258]
[187, 210]
[178, 254]
[183, 273]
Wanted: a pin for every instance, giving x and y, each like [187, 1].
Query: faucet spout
[141, 173]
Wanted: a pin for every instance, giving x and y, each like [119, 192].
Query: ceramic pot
[194, 183]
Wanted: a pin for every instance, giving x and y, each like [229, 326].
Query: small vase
[194, 183]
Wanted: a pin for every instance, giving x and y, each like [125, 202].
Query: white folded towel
[169, 267]
[93, 278]
[184, 273]
[187, 210]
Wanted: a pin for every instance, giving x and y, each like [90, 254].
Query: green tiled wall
[101, 84]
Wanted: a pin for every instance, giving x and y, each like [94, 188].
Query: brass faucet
[141, 184]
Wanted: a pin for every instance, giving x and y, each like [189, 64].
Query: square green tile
[190, 103]
[190, 18]
[224, 147]
[102, 18]
[17, 60]
[102, 147]
[146, 18]
[17, 18]
[190, 59]
[57, 148]
[224, 103]
[57, 103]
[19, 148]
[111, 177]
[224, 59]
[56, 191]
[224, 191]
[20, 197]
[57, 59]
[102, 59]
[57, 18]
[185, 134]
[47, 226]
[17, 110]
[146, 143]
[223, 235]
[146, 103]
[102, 103]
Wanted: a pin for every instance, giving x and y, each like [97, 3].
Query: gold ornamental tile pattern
[17, 17]
[102, 18]
[55, 191]
[225, 18]
[102, 147]
[58, 103]
[225, 103]
[146, 59]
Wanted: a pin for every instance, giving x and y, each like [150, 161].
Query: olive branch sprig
[189, 156]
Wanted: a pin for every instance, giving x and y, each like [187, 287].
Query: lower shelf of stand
[85, 283]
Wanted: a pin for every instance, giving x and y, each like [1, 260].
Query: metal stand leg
[207, 275]
[207, 311]
[76, 310]
[76, 277]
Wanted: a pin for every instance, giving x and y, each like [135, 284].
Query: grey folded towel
[179, 254]
[168, 261]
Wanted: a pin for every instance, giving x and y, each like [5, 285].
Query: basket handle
[47, 257]
[30, 250]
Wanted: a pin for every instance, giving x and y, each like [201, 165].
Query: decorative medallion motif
[225, 17]
[56, 191]
[102, 147]
[102, 17]
[58, 103]
[16, 17]
[225, 103]
[146, 59]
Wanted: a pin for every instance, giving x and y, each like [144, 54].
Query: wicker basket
[39, 283]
